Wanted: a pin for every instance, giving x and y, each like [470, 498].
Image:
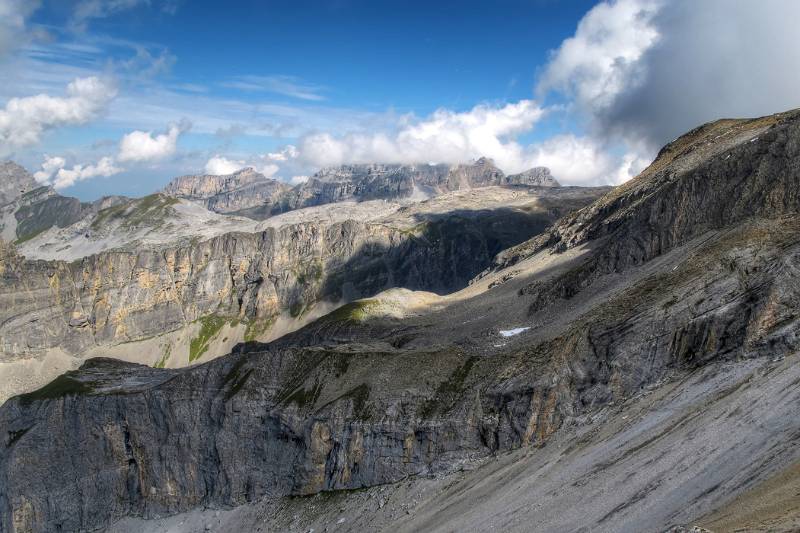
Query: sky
[107, 97]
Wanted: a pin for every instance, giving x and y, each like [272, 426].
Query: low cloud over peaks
[445, 136]
[645, 71]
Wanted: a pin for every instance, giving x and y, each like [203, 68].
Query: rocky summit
[251, 194]
[507, 354]
[166, 282]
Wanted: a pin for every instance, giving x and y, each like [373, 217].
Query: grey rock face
[14, 182]
[127, 295]
[245, 191]
[250, 194]
[693, 262]
[537, 177]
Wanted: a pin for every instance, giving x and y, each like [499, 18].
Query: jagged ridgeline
[173, 279]
[633, 363]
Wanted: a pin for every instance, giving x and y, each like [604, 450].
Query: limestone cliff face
[14, 182]
[539, 177]
[694, 262]
[131, 294]
[238, 192]
[250, 194]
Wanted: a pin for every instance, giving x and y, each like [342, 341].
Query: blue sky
[190, 87]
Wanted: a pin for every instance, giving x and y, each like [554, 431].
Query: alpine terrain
[425, 347]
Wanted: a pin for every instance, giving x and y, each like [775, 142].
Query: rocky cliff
[144, 272]
[682, 281]
[250, 194]
[14, 182]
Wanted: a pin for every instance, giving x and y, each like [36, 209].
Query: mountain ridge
[638, 311]
[249, 193]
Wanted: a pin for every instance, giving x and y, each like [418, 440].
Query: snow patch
[512, 332]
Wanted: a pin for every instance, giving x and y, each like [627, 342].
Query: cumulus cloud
[490, 131]
[24, 120]
[445, 136]
[297, 180]
[221, 166]
[144, 146]
[286, 153]
[50, 166]
[646, 71]
[602, 59]
[54, 172]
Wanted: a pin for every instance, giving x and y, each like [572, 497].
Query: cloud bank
[55, 173]
[645, 71]
[24, 120]
[221, 166]
[143, 146]
[445, 136]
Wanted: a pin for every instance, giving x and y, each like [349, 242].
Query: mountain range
[411, 348]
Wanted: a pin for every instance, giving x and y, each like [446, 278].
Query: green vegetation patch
[236, 377]
[257, 327]
[362, 409]
[162, 363]
[210, 326]
[309, 272]
[297, 309]
[303, 397]
[63, 385]
[448, 391]
[357, 311]
[32, 235]
[152, 210]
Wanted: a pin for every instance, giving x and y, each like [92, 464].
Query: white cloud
[143, 146]
[297, 180]
[602, 59]
[445, 136]
[13, 15]
[221, 166]
[288, 152]
[24, 120]
[645, 71]
[50, 166]
[55, 173]
[449, 137]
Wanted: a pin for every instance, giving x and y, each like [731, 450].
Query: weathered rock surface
[241, 191]
[250, 194]
[14, 182]
[247, 279]
[687, 270]
[539, 177]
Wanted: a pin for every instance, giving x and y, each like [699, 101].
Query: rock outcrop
[250, 194]
[247, 279]
[536, 177]
[688, 268]
[14, 182]
[245, 191]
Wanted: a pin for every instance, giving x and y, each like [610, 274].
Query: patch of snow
[512, 332]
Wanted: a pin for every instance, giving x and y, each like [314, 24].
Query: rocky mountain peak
[14, 181]
[204, 186]
[537, 176]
